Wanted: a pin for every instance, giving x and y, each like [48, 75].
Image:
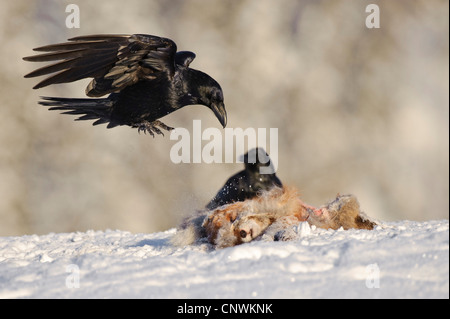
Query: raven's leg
[152, 127]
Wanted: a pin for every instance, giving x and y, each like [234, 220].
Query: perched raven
[248, 183]
[144, 74]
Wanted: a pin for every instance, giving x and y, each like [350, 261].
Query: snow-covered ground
[397, 260]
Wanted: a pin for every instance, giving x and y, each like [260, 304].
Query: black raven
[144, 74]
[249, 182]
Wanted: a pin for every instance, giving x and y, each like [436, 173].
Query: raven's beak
[220, 112]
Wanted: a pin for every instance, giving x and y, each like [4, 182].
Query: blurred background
[358, 110]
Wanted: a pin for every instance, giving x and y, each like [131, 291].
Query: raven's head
[255, 159]
[204, 90]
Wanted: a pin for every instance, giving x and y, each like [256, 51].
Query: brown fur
[344, 211]
[266, 215]
[244, 221]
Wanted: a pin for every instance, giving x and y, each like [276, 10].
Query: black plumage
[247, 183]
[144, 75]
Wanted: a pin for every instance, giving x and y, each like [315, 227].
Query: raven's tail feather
[89, 109]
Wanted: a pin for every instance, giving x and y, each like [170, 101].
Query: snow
[403, 259]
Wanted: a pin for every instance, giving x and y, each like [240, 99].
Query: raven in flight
[144, 75]
[247, 183]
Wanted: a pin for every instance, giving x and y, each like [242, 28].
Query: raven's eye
[217, 96]
[243, 233]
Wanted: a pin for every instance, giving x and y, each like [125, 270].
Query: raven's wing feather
[114, 61]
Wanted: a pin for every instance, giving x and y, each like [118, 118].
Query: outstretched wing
[114, 61]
